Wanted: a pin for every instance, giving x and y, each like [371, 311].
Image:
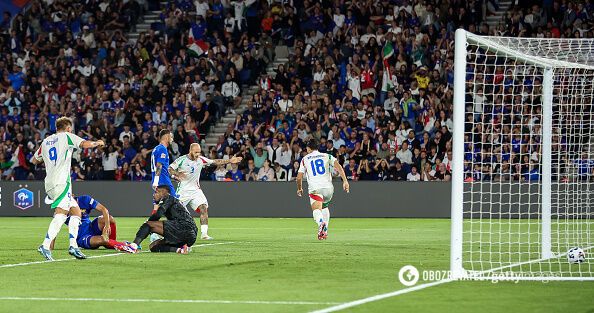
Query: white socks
[73, 230]
[53, 229]
[317, 216]
[326, 215]
[204, 230]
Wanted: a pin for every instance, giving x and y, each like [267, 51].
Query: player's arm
[37, 158]
[158, 214]
[105, 212]
[85, 144]
[158, 168]
[340, 170]
[174, 171]
[232, 160]
[299, 179]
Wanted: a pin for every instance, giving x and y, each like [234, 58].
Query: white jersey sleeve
[75, 141]
[302, 167]
[206, 161]
[176, 164]
[38, 156]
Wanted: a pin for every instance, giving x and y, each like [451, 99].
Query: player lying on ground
[186, 169]
[160, 164]
[101, 232]
[179, 231]
[56, 153]
[318, 168]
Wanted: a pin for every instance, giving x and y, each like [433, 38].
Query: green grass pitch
[264, 265]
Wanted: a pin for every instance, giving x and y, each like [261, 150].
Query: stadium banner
[246, 199]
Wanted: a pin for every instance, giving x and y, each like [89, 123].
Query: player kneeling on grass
[179, 231]
[318, 168]
[186, 169]
[101, 232]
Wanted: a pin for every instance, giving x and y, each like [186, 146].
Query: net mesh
[503, 155]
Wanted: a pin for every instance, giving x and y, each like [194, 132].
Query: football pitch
[263, 265]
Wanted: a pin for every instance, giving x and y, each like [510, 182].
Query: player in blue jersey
[101, 231]
[160, 164]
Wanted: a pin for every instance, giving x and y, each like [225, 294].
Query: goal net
[523, 183]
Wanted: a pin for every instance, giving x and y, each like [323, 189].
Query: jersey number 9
[317, 167]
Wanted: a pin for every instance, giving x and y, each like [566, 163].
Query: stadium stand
[371, 80]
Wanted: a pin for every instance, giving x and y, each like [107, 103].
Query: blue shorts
[87, 230]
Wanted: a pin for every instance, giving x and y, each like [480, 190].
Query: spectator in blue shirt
[17, 77]
[128, 151]
[236, 174]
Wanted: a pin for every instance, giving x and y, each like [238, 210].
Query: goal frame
[462, 38]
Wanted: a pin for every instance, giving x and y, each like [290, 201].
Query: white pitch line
[351, 304]
[439, 282]
[169, 301]
[105, 255]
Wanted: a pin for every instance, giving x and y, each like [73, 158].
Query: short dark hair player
[179, 230]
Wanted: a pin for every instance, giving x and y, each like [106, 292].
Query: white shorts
[193, 199]
[323, 195]
[61, 197]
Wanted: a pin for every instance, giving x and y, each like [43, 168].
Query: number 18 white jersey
[318, 168]
[56, 152]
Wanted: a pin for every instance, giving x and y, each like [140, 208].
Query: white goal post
[523, 166]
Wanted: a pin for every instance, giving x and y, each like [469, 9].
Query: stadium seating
[370, 80]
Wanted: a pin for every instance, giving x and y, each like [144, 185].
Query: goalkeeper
[179, 231]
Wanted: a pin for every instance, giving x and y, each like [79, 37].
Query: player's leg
[327, 194]
[60, 216]
[316, 201]
[73, 226]
[199, 204]
[97, 239]
[161, 245]
[113, 228]
[61, 206]
[147, 228]
[203, 211]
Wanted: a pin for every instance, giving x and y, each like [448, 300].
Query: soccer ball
[576, 255]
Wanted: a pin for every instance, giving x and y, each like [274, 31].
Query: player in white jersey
[186, 169]
[318, 169]
[56, 153]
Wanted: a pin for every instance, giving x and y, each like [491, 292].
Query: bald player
[186, 169]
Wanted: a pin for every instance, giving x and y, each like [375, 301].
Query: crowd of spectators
[384, 119]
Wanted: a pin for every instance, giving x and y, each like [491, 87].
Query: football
[576, 255]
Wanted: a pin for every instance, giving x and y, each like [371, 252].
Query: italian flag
[388, 52]
[18, 159]
[196, 47]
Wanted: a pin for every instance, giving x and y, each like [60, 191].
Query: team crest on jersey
[23, 198]
[163, 155]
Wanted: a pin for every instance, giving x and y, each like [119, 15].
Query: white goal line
[167, 300]
[351, 304]
[106, 255]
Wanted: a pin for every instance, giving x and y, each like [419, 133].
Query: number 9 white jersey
[56, 152]
[317, 168]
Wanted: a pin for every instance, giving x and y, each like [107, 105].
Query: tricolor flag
[388, 52]
[196, 47]
[18, 159]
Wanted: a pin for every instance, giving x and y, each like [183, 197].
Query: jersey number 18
[317, 167]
